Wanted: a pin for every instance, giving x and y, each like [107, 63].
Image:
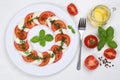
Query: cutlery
[81, 28]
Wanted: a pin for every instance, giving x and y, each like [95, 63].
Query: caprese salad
[50, 20]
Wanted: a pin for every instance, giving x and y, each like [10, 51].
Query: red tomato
[20, 34]
[58, 24]
[59, 37]
[44, 16]
[110, 53]
[72, 9]
[28, 23]
[21, 47]
[30, 58]
[91, 62]
[91, 41]
[58, 54]
[46, 55]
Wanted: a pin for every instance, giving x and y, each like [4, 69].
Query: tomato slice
[91, 62]
[110, 53]
[20, 34]
[57, 24]
[60, 37]
[72, 9]
[44, 15]
[58, 54]
[46, 59]
[29, 22]
[91, 41]
[30, 58]
[21, 47]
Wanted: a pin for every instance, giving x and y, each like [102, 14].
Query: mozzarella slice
[64, 46]
[26, 53]
[36, 14]
[20, 26]
[37, 62]
[51, 19]
[59, 32]
[51, 59]
[17, 40]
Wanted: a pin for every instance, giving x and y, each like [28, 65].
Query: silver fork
[81, 28]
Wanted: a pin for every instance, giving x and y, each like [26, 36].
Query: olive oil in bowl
[99, 15]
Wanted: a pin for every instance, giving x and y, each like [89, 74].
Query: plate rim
[13, 28]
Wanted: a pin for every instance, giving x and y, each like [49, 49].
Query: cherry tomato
[46, 59]
[21, 47]
[91, 62]
[20, 34]
[29, 22]
[72, 9]
[44, 16]
[58, 24]
[91, 41]
[58, 54]
[110, 53]
[30, 58]
[59, 37]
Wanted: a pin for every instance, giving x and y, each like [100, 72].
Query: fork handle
[79, 57]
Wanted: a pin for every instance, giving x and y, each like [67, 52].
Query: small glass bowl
[96, 21]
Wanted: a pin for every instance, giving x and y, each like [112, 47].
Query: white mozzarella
[17, 40]
[40, 54]
[64, 46]
[20, 26]
[26, 29]
[59, 32]
[38, 62]
[24, 53]
[36, 14]
[51, 59]
[51, 19]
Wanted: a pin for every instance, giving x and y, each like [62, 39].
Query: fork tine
[79, 24]
[82, 24]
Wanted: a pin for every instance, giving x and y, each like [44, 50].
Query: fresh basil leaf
[48, 37]
[35, 39]
[42, 42]
[42, 33]
[109, 38]
[102, 33]
[112, 44]
[71, 28]
[101, 44]
[110, 31]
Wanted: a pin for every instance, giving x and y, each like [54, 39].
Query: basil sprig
[106, 36]
[42, 38]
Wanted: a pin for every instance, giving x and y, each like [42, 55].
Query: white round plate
[51, 68]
